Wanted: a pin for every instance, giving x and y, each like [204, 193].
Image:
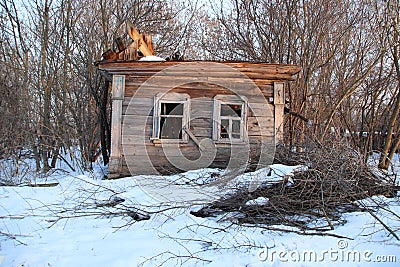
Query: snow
[257, 202]
[151, 58]
[71, 224]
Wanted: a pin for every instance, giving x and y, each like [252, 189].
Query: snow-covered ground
[83, 222]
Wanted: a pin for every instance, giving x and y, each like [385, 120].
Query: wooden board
[287, 71]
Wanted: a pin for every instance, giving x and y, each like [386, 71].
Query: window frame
[220, 100]
[161, 98]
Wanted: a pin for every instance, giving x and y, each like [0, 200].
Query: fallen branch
[13, 237]
[305, 233]
[383, 224]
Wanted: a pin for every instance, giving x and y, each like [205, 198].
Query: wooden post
[117, 97]
[279, 103]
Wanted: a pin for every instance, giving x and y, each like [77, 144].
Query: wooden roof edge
[124, 65]
[128, 62]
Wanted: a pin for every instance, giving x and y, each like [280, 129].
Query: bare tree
[342, 47]
[392, 141]
[54, 97]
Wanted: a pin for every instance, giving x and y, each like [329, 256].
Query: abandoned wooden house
[174, 116]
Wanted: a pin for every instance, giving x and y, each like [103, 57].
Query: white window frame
[170, 98]
[220, 100]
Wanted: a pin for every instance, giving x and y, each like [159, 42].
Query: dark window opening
[230, 121]
[171, 109]
[231, 110]
[224, 129]
[171, 120]
[171, 128]
[236, 129]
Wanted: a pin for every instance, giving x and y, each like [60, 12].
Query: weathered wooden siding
[202, 89]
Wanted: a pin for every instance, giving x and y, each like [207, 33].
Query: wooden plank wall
[201, 102]
[136, 148]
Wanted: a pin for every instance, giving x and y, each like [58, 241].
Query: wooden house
[174, 116]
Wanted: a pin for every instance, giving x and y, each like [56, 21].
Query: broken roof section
[140, 47]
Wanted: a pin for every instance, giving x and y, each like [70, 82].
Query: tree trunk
[46, 90]
[389, 148]
[386, 157]
[105, 130]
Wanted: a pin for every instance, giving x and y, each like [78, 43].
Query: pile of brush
[313, 198]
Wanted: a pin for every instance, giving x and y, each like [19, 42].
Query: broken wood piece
[130, 53]
[120, 55]
[149, 42]
[136, 36]
[109, 54]
[120, 44]
[44, 184]
[194, 138]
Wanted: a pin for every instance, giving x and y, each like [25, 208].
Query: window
[230, 118]
[171, 116]
[171, 120]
